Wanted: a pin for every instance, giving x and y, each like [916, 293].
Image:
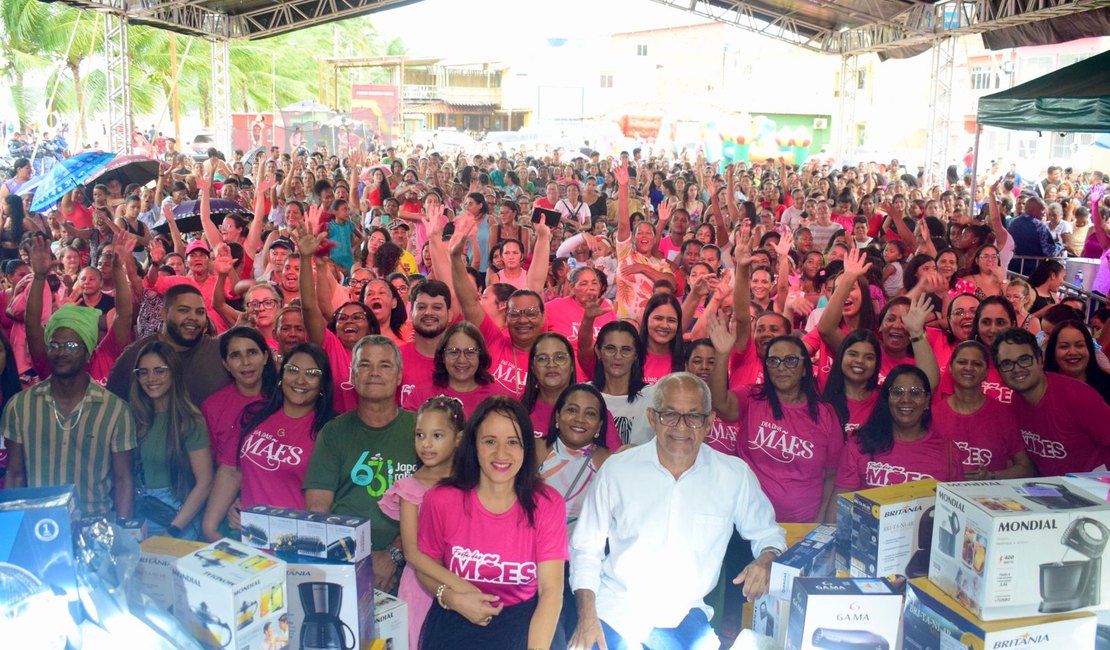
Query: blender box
[830, 613]
[327, 536]
[1020, 547]
[157, 557]
[391, 622]
[229, 595]
[933, 620]
[331, 604]
[892, 530]
[842, 546]
[812, 556]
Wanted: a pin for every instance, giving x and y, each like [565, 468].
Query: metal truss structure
[940, 111]
[221, 94]
[116, 53]
[846, 116]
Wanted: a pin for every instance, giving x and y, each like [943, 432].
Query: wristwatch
[398, 556]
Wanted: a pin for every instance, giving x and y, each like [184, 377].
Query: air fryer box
[892, 530]
[391, 623]
[812, 556]
[318, 582]
[933, 620]
[842, 553]
[157, 557]
[1022, 547]
[830, 613]
[229, 595]
[300, 533]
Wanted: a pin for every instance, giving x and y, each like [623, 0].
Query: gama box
[827, 613]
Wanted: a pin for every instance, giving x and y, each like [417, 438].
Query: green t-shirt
[359, 463]
[153, 452]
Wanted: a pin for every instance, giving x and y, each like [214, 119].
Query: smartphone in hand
[550, 217]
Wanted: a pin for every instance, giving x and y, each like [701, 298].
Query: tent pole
[975, 164]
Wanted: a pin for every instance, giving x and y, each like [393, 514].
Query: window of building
[1063, 146]
[606, 81]
[861, 80]
[984, 78]
[641, 50]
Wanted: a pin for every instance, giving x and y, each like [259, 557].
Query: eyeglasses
[530, 314]
[357, 284]
[268, 303]
[611, 350]
[791, 361]
[960, 313]
[688, 420]
[557, 359]
[296, 371]
[916, 394]
[453, 353]
[988, 256]
[1024, 361]
[157, 372]
[357, 317]
[67, 346]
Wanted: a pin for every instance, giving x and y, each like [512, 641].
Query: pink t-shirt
[223, 413]
[344, 397]
[986, 439]
[992, 386]
[1067, 430]
[273, 460]
[890, 363]
[470, 400]
[163, 284]
[416, 369]
[822, 358]
[499, 554]
[858, 412]
[564, 316]
[933, 456]
[656, 366]
[744, 368]
[723, 435]
[509, 365]
[789, 456]
[541, 421]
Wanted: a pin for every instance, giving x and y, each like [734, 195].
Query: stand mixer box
[391, 623]
[230, 595]
[331, 604]
[892, 530]
[157, 557]
[835, 613]
[1021, 547]
[933, 620]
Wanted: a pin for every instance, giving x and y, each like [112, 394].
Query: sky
[510, 31]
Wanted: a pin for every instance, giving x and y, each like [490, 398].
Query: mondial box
[933, 620]
[892, 530]
[1022, 547]
[229, 595]
[828, 613]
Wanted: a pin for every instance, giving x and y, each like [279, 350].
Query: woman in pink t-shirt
[271, 458]
[500, 530]
[461, 371]
[897, 444]
[985, 431]
[661, 332]
[701, 357]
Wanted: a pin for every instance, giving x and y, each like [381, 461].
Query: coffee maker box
[843, 613]
[230, 595]
[933, 620]
[812, 556]
[391, 623]
[842, 547]
[157, 557]
[1021, 547]
[331, 604]
[892, 530]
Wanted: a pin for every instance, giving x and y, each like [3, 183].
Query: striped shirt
[82, 456]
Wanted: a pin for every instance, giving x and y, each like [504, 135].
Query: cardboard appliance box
[892, 530]
[391, 623]
[812, 556]
[770, 616]
[1022, 547]
[835, 613]
[229, 595]
[339, 538]
[349, 588]
[1096, 483]
[157, 557]
[933, 620]
[842, 552]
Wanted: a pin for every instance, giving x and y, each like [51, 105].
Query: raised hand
[856, 264]
[307, 241]
[464, 226]
[595, 307]
[124, 244]
[222, 261]
[665, 211]
[204, 181]
[722, 331]
[620, 172]
[917, 315]
[742, 249]
[40, 257]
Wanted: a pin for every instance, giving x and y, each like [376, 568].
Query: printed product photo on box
[933, 620]
[1022, 547]
[843, 613]
[1096, 483]
[812, 556]
[770, 616]
[157, 558]
[331, 605]
[892, 530]
[229, 595]
[842, 555]
[328, 536]
[391, 623]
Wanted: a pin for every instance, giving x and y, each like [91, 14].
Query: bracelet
[919, 337]
[772, 550]
[439, 596]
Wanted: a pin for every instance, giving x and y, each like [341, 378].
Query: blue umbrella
[1103, 141]
[67, 175]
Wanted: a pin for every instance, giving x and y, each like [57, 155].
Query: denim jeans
[693, 633]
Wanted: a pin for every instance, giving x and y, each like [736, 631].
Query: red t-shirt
[81, 217]
[499, 554]
[415, 370]
[223, 413]
[1067, 430]
[273, 460]
[986, 439]
[656, 366]
[509, 365]
[933, 456]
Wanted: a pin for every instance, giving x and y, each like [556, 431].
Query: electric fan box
[391, 623]
[1020, 547]
[229, 595]
[843, 613]
[811, 556]
[932, 620]
[354, 586]
[327, 536]
[892, 526]
[157, 557]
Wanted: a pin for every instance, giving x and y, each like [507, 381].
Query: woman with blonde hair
[1020, 294]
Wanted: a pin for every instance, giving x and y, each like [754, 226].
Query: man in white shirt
[667, 510]
[792, 216]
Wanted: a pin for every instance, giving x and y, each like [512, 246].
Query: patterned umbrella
[187, 215]
[67, 175]
[127, 170]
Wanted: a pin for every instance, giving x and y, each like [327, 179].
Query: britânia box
[933, 620]
[1021, 547]
[836, 613]
[892, 530]
[331, 604]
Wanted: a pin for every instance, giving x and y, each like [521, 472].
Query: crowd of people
[562, 389]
